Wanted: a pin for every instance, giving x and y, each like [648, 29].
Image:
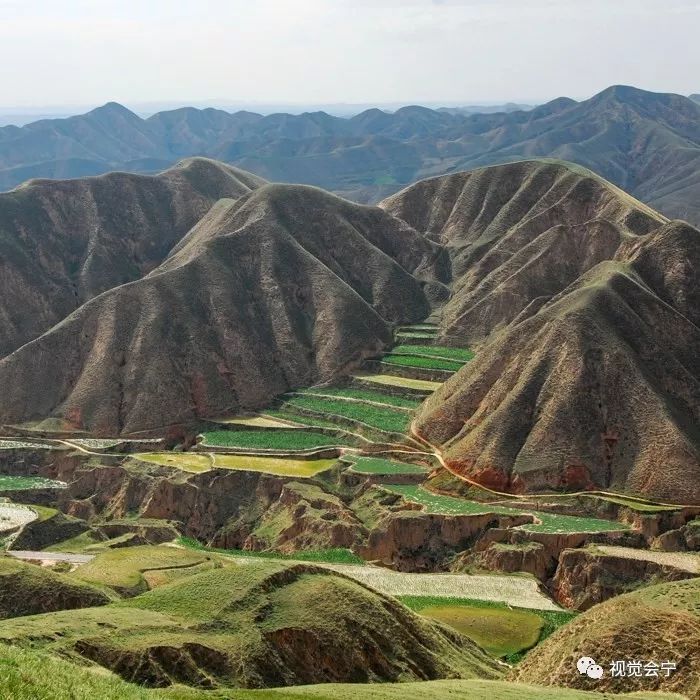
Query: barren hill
[63, 242]
[281, 289]
[597, 387]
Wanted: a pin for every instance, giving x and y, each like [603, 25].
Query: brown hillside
[600, 387]
[659, 623]
[518, 234]
[63, 242]
[281, 290]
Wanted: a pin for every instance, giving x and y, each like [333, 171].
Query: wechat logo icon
[586, 665]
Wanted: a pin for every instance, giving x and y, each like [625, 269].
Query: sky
[87, 52]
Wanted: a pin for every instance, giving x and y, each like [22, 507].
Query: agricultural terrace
[393, 380]
[496, 627]
[518, 591]
[197, 463]
[184, 461]
[364, 395]
[258, 421]
[20, 483]
[24, 445]
[279, 466]
[14, 516]
[421, 362]
[443, 352]
[379, 417]
[377, 465]
[545, 522]
[282, 439]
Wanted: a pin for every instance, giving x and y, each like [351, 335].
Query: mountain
[64, 242]
[586, 309]
[281, 288]
[647, 143]
[580, 301]
[655, 624]
[263, 625]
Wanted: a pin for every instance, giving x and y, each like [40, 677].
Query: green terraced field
[327, 556]
[373, 416]
[421, 335]
[364, 395]
[495, 627]
[19, 483]
[376, 465]
[441, 351]
[422, 362]
[548, 522]
[282, 439]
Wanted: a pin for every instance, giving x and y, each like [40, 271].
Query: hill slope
[64, 242]
[26, 589]
[258, 626]
[597, 387]
[658, 623]
[648, 143]
[281, 289]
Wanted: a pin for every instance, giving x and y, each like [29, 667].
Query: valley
[397, 436]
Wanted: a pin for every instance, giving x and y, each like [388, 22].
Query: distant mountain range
[647, 143]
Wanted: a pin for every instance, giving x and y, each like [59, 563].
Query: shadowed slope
[281, 290]
[63, 242]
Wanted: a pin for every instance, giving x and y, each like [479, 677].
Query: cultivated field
[440, 351]
[280, 466]
[364, 395]
[19, 483]
[421, 361]
[688, 561]
[282, 439]
[379, 417]
[403, 382]
[185, 461]
[13, 516]
[376, 465]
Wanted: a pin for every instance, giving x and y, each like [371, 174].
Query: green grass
[20, 483]
[328, 556]
[280, 466]
[184, 461]
[376, 465]
[442, 351]
[374, 416]
[420, 335]
[496, 627]
[282, 439]
[550, 522]
[122, 569]
[365, 395]
[421, 362]
[632, 504]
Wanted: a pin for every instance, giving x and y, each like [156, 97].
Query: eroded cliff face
[585, 577]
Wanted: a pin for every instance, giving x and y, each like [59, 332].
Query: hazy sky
[355, 51]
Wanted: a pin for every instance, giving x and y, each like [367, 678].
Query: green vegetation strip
[282, 439]
[328, 556]
[365, 395]
[440, 351]
[392, 380]
[496, 627]
[20, 483]
[549, 522]
[422, 362]
[373, 416]
[375, 465]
